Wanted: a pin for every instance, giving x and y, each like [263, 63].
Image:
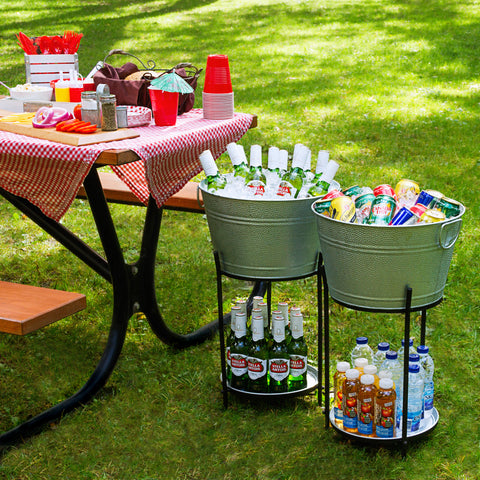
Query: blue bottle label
[349, 422]
[428, 396]
[413, 421]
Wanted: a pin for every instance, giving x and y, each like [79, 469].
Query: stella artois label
[239, 364]
[298, 365]
[257, 187]
[257, 368]
[279, 368]
[286, 189]
[229, 359]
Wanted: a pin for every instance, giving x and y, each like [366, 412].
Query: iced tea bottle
[349, 400]
[385, 409]
[366, 406]
[338, 379]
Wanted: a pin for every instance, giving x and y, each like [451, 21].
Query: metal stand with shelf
[405, 436]
[313, 375]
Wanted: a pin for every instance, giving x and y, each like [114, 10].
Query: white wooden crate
[41, 69]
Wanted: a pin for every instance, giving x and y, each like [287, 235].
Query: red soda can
[418, 209]
[384, 189]
[383, 209]
[333, 194]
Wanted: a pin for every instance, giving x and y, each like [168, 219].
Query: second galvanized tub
[370, 266]
[264, 239]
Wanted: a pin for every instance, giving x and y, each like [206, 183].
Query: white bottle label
[239, 364]
[278, 368]
[298, 365]
[257, 368]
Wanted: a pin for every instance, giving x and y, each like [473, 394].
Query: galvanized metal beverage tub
[263, 239]
[370, 266]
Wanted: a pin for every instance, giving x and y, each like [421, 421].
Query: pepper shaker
[108, 104]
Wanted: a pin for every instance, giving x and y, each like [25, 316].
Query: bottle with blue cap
[415, 397]
[392, 364]
[361, 350]
[381, 353]
[428, 393]
[401, 350]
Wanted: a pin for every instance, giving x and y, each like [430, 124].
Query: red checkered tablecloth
[49, 174]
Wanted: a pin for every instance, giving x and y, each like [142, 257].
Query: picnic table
[42, 178]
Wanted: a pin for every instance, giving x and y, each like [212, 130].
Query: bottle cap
[240, 324]
[414, 357]
[385, 383]
[352, 374]
[383, 346]
[242, 154]
[208, 163]
[362, 340]
[367, 379]
[322, 161]
[299, 158]
[422, 349]
[410, 342]
[391, 355]
[296, 324]
[361, 362]
[283, 159]
[255, 156]
[330, 171]
[370, 369]
[414, 368]
[308, 160]
[273, 157]
[257, 328]
[343, 366]
[234, 153]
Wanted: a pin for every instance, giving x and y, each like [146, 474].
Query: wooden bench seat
[117, 192]
[25, 308]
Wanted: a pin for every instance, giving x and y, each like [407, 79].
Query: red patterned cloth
[49, 174]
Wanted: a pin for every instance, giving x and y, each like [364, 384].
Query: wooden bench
[117, 192]
[25, 308]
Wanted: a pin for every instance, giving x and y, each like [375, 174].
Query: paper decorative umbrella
[171, 82]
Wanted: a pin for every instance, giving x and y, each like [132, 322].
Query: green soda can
[322, 206]
[363, 206]
[353, 191]
[450, 207]
[383, 209]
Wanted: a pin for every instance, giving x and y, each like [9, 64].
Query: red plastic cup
[164, 106]
[76, 94]
[217, 75]
[89, 86]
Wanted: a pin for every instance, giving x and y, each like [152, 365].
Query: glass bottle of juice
[338, 379]
[349, 400]
[366, 406]
[385, 409]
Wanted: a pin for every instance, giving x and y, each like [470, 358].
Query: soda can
[353, 191]
[322, 206]
[451, 208]
[424, 198]
[404, 217]
[432, 216]
[405, 185]
[366, 190]
[435, 194]
[418, 209]
[363, 206]
[332, 194]
[343, 209]
[383, 209]
[384, 189]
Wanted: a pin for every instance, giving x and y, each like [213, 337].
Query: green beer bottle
[292, 181]
[279, 359]
[323, 184]
[298, 351]
[239, 160]
[255, 179]
[322, 162]
[215, 180]
[258, 358]
[239, 351]
[283, 308]
[230, 338]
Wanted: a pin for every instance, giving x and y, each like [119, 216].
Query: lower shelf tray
[312, 384]
[428, 424]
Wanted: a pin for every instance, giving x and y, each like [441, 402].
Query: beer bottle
[283, 308]
[283, 161]
[273, 164]
[298, 351]
[230, 338]
[321, 187]
[255, 179]
[239, 160]
[292, 181]
[258, 358]
[322, 162]
[239, 352]
[279, 359]
[215, 180]
[264, 308]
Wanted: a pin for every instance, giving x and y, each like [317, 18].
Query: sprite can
[383, 209]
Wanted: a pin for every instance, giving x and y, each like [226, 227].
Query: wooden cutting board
[68, 138]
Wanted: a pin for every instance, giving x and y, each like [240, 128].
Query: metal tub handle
[449, 233]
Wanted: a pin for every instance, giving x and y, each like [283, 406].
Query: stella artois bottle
[323, 184]
[256, 180]
[279, 359]
[239, 351]
[292, 181]
[239, 160]
[215, 180]
[283, 307]
[231, 337]
[298, 352]
[258, 359]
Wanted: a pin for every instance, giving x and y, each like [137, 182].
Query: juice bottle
[385, 409]
[366, 406]
[372, 370]
[349, 400]
[338, 379]
[360, 364]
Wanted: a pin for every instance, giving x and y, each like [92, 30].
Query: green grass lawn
[392, 90]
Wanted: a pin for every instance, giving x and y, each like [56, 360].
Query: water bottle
[415, 397]
[427, 362]
[380, 354]
[392, 364]
[362, 350]
[401, 350]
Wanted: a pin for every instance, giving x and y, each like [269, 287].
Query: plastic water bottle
[415, 397]
[392, 364]
[428, 393]
[362, 350]
[380, 354]
[401, 350]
